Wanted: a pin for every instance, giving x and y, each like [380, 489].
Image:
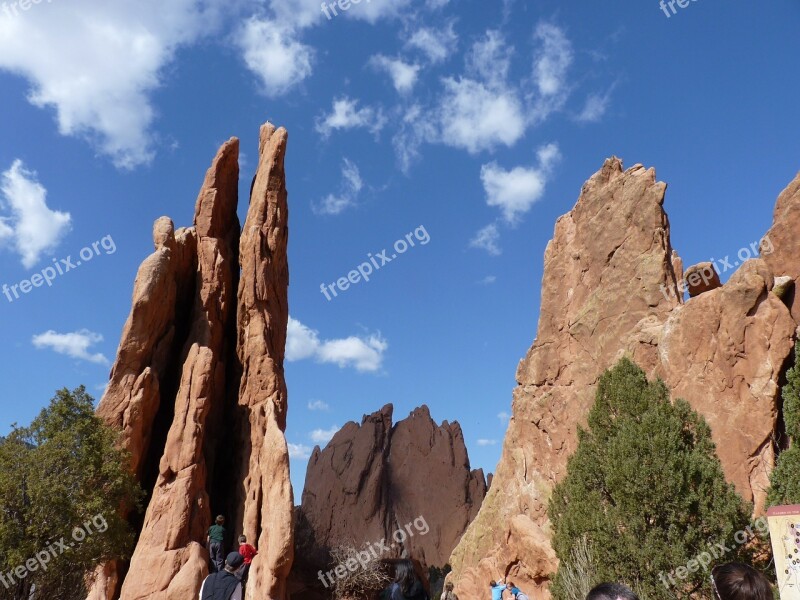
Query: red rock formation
[609, 289]
[263, 314]
[700, 278]
[182, 399]
[374, 479]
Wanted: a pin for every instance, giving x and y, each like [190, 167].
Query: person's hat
[234, 560]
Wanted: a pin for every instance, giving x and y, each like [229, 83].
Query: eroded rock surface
[610, 288]
[374, 479]
[202, 415]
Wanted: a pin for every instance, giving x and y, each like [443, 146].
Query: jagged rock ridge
[202, 414]
[611, 288]
[374, 478]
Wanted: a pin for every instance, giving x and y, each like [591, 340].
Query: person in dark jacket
[225, 584]
[406, 585]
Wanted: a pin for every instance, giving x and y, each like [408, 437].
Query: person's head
[448, 587]
[233, 562]
[492, 583]
[737, 581]
[242, 539]
[220, 520]
[611, 591]
[404, 574]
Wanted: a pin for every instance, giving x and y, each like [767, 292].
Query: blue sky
[472, 123]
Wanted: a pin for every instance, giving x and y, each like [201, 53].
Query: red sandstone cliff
[610, 289]
[373, 479]
[184, 393]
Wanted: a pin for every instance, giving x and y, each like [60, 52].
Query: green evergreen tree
[63, 483]
[644, 493]
[785, 478]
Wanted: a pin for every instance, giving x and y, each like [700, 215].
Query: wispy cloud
[351, 185]
[517, 190]
[299, 451]
[365, 354]
[345, 114]
[323, 436]
[318, 405]
[483, 442]
[504, 417]
[30, 226]
[75, 344]
[272, 52]
[404, 75]
[487, 239]
[436, 44]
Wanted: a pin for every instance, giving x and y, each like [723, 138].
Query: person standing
[248, 552]
[215, 542]
[448, 593]
[224, 584]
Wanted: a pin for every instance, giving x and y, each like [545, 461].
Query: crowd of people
[731, 581]
[228, 576]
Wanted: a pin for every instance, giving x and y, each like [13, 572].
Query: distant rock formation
[374, 479]
[613, 286]
[202, 416]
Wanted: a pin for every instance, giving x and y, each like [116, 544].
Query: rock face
[374, 479]
[184, 393]
[611, 287]
[700, 278]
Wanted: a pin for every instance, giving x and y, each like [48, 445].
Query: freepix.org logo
[669, 5]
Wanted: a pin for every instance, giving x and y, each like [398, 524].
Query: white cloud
[31, 227]
[435, 44]
[352, 184]
[553, 60]
[487, 239]
[96, 64]
[273, 53]
[345, 115]
[490, 58]
[299, 451]
[475, 117]
[516, 191]
[595, 108]
[318, 405]
[504, 417]
[323, 436]
[75, 344]
[362, 353]
[483, 442]
[404, 75]
[550, 66]
[488, 280]
[416, 127]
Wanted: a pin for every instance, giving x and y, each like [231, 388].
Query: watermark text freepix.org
[344, 5]
[671, 4]
[54, 550]
[763, 247]
[59, 267]
[365, 269]
[713, 552]
[373, 551]
[12, 10]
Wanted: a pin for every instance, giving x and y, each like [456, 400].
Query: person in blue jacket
[516, 593]
[497, 589]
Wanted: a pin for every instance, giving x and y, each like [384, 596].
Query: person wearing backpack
[224, 584]
[517, 593]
